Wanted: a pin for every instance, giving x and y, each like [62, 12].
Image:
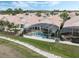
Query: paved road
[42, 52]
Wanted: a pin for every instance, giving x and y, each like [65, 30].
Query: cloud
[39, 5]
[44, 2]
[55, 2]
[20, 4]
[35, 4]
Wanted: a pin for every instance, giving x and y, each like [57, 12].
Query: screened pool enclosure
[71, 33]
[44, 30]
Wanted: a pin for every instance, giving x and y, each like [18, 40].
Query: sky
[40, 5]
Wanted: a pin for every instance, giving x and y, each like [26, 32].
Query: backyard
[63, 50]
[12, 50]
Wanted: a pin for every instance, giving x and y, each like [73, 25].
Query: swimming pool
[39, 34]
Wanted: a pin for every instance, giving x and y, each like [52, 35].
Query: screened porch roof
[50, 27]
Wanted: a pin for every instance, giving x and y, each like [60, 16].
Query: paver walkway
[42, 52]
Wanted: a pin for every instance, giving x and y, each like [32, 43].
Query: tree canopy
[64, 16]
[13, 12]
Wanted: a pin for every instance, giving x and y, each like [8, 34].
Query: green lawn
[56, 48]
[25, 52]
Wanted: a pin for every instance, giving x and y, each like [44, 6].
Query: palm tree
[65, 17]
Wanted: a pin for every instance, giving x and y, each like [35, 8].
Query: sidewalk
[42, 52]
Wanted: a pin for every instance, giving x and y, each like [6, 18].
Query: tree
[15, 28]
[77, 14]
[52, 12]
[20, 10]
[38, 14]
[47, 13]
[65, 17]
[2, 23]
[17, 11]
[6, 23]
[10, 25]
[9, 11]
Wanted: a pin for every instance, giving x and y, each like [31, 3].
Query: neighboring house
[52, 22]
[25, 21]
[32, 18]
[70, 29]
